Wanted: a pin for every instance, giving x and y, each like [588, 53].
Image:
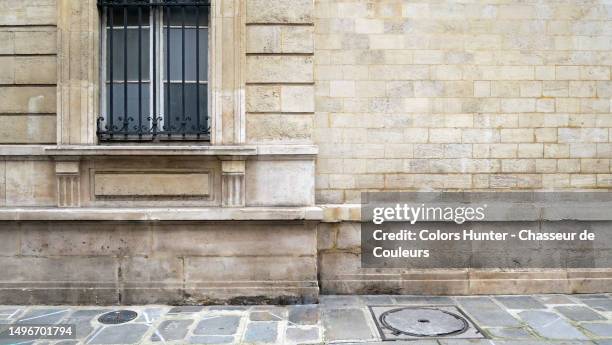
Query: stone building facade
[311, 103]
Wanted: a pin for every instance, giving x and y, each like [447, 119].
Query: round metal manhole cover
[423, 322]
[117, 317]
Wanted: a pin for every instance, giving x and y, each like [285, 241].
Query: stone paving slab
[487, 313]
[347, 324]
[550, 325]
[510, 333]
[520, 302]
[555, 299]
[506, 320]
[261, 332]
[579, 313]
[599, 329]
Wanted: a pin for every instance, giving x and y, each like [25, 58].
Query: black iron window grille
[154, 70]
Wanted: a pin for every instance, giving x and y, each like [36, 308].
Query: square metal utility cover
[400, 322]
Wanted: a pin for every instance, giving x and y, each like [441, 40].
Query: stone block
[36, 70]
[9, 239]
[143, 184]
[349, 235]
[35, 42]
[85, 238]
[263, 98]
[7, 43]
[297, 39]
[30, 183]
[152, 269]
[279, 128]
[58, 269]
[525, 135]
[258, 268]
[238, 238]
[28, 100]
[7, 74]
[28, 129]
[326, 236]
[342, 88]
[280, 11]
[280, 39]
[279, 69]
[297, 99]
[28, 12]
[280, 183]
[263, 39]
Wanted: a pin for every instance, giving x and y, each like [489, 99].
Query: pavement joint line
[157, 333]
[93, 336]
[13, 314]
[22, 342]
[551, 322]
[242, 328]
[49, 314]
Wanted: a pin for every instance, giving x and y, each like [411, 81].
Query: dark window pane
[118, 58]
[132, 16]
[134, 117]
[203, 54]
[174, 115]
[176, 16]
[176, 54]
[185, 111]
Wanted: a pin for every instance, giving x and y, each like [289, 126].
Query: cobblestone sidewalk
[505, 320]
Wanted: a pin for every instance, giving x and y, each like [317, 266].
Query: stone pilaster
[68, 183]
[77, 84]
[227, 79]
[233, 183]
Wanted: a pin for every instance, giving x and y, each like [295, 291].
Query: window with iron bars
[154, 70]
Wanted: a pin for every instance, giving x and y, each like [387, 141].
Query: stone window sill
[311, 213]
[180, 150]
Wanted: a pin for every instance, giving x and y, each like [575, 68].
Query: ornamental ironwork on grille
[154, 70]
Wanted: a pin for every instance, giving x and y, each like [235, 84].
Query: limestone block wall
[280, 71]
[109, 262]
[340, 272]
[446, 95]
[28, 77]
[28, 71]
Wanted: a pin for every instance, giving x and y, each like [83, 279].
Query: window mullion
[153, 70]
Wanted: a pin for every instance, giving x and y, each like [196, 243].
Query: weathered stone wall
[446, 95]
[79, 262]
[397, 94]
[28, 70]
[340, 272]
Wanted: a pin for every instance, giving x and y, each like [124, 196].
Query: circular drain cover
[117, 317]
[423, 322]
